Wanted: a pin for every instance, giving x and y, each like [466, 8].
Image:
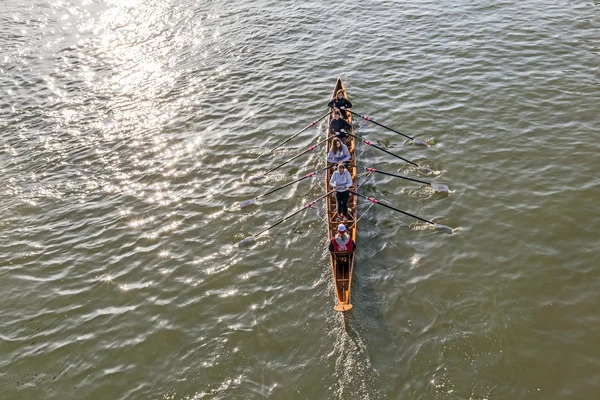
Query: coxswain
[341, 181]
[339, 102]
[342, 240]
[339, 152]
[338, 127]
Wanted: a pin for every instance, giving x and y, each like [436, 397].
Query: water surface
[130, 131]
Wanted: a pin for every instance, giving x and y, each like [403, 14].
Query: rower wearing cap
[342, 240]
[341, 180]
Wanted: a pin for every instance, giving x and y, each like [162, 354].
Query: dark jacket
[336, 126]
[337, 103]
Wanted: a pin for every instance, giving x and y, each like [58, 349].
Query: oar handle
[309, 205]
[296, 134]
[369, 143]
[375, 201]
[381, 125]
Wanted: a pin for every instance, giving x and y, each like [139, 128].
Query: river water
[130, 130]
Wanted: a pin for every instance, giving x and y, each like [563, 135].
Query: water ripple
[131, 131]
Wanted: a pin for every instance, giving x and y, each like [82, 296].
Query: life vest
[342, 243]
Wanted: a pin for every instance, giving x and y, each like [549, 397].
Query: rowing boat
[342, 263]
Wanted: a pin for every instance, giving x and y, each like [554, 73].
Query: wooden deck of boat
[342, 264]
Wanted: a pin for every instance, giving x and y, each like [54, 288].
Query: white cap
[341, 228]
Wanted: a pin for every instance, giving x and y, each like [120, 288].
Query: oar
[311, 148]
[296, 134]
[438, 187]
[416, 141]
[248, 202]
[369, 143]
[375, 201]
[251, 239]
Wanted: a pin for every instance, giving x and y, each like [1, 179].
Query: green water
[130, 131]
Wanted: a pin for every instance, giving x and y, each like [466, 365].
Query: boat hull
[342, 263]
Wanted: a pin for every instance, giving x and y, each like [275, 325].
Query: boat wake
[355, 376]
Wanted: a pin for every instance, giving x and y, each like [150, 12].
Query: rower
[342, 240]
[338, 126]
[341, 180]
[339, 152]
[339, 102]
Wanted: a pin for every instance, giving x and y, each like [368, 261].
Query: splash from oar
[373, 200]
[251, 239]
[415, 141]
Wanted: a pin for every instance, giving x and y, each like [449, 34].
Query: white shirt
[338, 157]
[342, 182]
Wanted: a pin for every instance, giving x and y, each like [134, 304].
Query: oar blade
[246, 242]
[443, 228]
[439, 187]
[426, 170]
[420, 142]
[246, 203]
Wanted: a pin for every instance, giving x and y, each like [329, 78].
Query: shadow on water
[366, 317]
[354, 331]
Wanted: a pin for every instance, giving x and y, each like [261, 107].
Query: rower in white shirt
[339, 152]
[341, 181]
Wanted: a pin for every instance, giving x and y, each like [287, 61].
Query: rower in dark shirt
[341, 103]
[338, 127]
